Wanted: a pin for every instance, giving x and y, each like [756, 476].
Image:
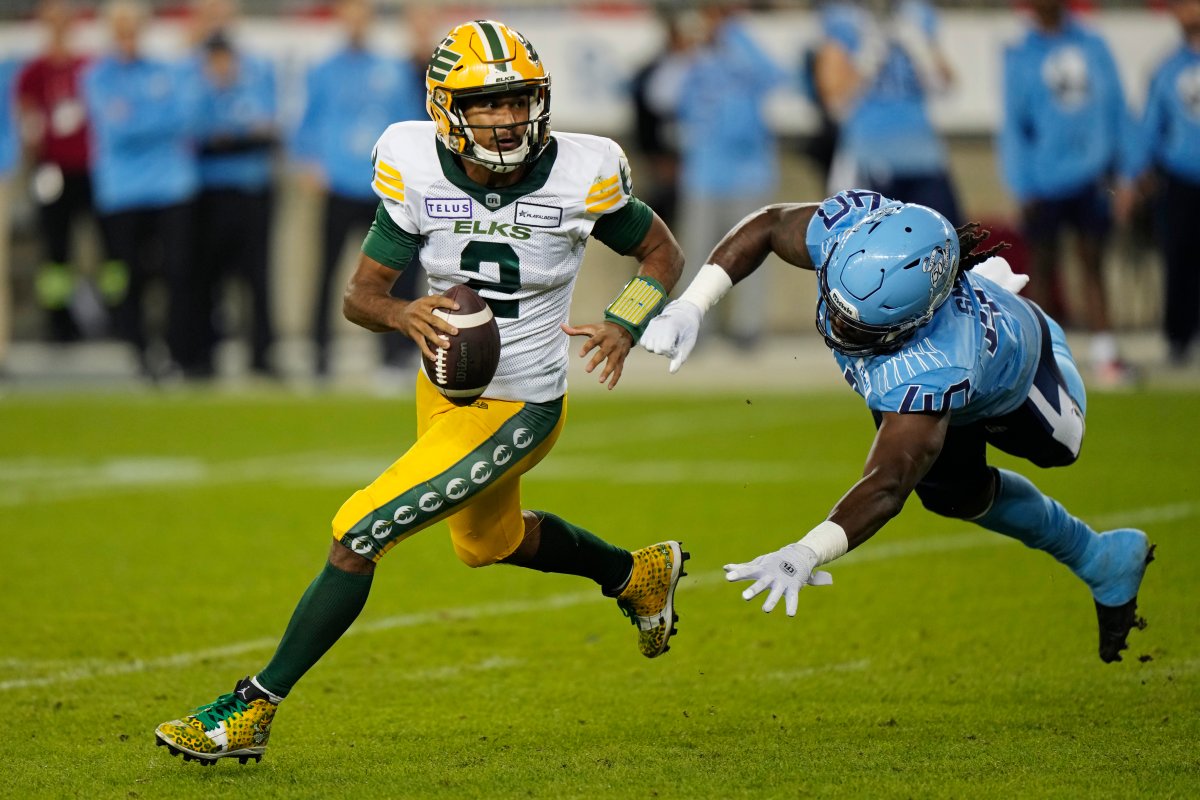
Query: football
[463, 371]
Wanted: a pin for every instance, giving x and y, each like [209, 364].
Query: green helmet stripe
[442, 62]
[495, 43]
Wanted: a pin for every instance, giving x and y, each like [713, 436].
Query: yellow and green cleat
[649, 597]
[235, 725]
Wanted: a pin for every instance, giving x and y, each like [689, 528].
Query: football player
[948, 362]
[486, 195]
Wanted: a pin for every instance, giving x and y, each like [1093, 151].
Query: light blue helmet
[885, 279]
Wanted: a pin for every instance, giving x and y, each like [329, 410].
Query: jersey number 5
[475, 255]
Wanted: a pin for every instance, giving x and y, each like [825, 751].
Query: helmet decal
[873, 297]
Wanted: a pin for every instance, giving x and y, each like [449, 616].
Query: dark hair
[970, 235]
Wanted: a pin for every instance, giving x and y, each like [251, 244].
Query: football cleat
[648, 599]
[1114, 572]
[235, 725]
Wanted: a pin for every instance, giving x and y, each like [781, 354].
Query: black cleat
[1117, 621]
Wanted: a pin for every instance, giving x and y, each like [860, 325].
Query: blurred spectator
[655, 132]
[1169, 141]
[237, 134]
[54, 128]
[874, 73]
[1064, 119]
[9, 152]
[729, 159]
[144, 180]
[352, 97]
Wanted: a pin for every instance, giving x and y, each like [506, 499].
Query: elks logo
[405, 515]
[481, 471]
[381, 528]
[361, 545]
[457, 488]
[501, 455]
[430, 501]
[522, 438]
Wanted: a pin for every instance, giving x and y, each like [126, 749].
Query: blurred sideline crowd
[177, 162]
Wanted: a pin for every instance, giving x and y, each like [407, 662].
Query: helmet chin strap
[498, 162]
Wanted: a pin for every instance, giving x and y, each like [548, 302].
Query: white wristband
[710, 285]
[828, 540]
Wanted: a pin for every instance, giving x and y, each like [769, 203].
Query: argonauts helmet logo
[430, 501]
[481, 471]
[522, 437]
[937, 264]
[501, 455]
[405, 515]
[381, 528]
[457, 488]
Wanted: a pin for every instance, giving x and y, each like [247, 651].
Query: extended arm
[660, 262]
[905, 447]
[778, 229]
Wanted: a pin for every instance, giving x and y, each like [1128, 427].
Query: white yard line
[882, 551]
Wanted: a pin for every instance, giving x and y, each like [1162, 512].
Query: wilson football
[463, 371]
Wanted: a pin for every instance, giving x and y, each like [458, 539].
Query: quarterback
[484, 195]
[948, 361]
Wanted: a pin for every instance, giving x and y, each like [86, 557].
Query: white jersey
[520, 247]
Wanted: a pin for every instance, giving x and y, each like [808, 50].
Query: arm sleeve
[625, 228]
[388, 243]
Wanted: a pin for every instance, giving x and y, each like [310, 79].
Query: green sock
[569, 550]
[331, 602]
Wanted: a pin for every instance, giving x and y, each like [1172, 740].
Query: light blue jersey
[245, 107]
[888, 131]
[976, 358]
[9, 149]
[352, 98]
[143, 117]
[1169, 135]
[1064, 113]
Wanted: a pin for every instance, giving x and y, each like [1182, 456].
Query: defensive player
[484, 195]
[948, 362]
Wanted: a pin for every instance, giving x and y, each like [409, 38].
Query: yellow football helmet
[485, 57]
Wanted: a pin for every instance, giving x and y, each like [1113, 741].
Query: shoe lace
[627, 610]
[221, 709]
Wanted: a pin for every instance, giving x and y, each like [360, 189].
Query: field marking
[861, 665]
[883, 551]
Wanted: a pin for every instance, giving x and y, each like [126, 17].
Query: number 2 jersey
[976, 358]
[519, 246]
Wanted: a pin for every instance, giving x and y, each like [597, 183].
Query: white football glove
[673, 332]
[997, 270]
[785, 572]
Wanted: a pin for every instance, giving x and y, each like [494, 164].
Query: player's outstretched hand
[612, 344]
[673, 332]
[785, 572]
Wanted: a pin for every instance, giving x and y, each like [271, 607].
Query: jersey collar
[533, 181]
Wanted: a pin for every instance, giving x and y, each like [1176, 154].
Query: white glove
[673, 332]
[997, 270]
[785, 572]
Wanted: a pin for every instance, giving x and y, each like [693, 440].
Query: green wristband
[637, 304]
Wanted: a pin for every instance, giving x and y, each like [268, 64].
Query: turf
[155, 546]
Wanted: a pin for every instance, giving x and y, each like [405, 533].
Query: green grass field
[155, 546]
